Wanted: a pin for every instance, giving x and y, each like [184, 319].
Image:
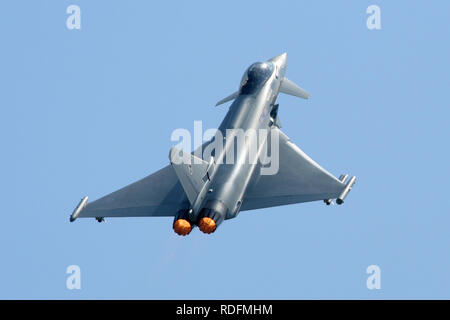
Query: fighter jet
[205, 188]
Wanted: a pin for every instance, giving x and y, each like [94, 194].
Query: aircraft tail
[192, 172]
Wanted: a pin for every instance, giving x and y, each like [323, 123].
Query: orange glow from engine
[182, 227]
[207, 225]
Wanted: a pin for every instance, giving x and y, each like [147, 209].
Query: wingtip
[78, 209]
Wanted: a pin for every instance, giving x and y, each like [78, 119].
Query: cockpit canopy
[255, 77]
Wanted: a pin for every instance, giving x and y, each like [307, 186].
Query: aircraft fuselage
[250, 112]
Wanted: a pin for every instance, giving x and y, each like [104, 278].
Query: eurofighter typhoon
[248, 164]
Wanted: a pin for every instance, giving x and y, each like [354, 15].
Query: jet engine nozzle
[211, 216]
[181, 224]
[207, 225]
[182, 227]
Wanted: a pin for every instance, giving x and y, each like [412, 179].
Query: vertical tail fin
[192, 172]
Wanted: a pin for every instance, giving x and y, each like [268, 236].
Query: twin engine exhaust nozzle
[182, 225]
[207, 221]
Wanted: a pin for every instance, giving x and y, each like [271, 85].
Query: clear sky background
[85, 112]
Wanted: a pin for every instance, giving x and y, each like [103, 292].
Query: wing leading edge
[299, 179]
[157, 195]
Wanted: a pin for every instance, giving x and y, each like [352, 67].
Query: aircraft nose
[280, 60]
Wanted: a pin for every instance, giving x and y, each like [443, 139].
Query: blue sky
[85, 112]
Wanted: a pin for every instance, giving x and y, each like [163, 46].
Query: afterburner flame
[182, 227]
[207, 225]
